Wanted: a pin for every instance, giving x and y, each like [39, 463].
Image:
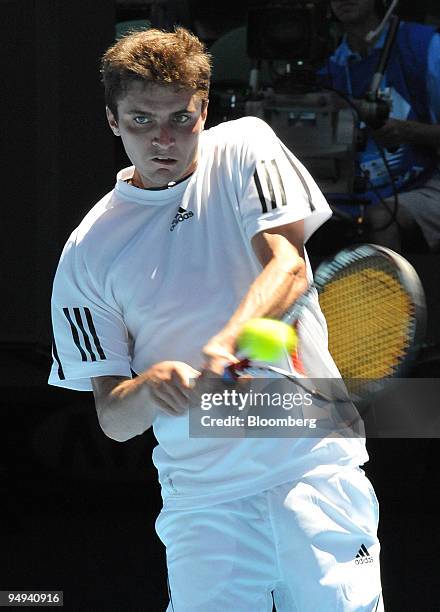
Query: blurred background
[78, 509]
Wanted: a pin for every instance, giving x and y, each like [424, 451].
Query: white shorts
[306, 546]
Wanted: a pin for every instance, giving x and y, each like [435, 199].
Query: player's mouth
[164, 161]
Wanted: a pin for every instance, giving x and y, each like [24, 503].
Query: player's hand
[170, 384]
[218, 353]
[392, 134]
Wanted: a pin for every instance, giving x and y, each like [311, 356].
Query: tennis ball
[266, 339]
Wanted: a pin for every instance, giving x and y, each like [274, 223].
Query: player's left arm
[282, 280]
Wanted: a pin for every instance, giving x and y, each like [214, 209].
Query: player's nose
[163, 137]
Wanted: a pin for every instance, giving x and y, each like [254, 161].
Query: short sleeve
[277, 189]
[89, 335]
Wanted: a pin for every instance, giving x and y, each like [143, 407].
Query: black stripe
[57, 359]
[378, 601]
[364, 548]
[75, 335]
[361, 553]
[301, 178]
[280, 183]
[260, 191]
[84, 333]
[94, 334]
[169, 594]
[270, 186]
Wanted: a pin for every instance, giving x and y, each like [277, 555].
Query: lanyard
[348, 78]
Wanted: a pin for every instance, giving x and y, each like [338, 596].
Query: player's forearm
[280, 283]
[125, 410]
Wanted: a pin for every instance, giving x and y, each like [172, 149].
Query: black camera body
[292, 30]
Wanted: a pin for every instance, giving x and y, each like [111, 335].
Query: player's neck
[136, 180]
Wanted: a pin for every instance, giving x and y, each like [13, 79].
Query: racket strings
[367, 302]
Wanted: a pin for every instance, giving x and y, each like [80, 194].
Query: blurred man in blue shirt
[410, 138]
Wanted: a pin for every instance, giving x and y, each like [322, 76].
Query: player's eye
[182, 119]
[142, 120]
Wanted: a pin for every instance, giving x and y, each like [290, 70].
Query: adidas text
[364, 560]
[181, 216]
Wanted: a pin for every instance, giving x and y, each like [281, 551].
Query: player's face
[160, 128]
[353, 11]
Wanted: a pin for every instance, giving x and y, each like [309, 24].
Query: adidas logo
[363, 556]
[181, 215]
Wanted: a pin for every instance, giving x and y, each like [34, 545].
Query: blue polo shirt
[413, 78]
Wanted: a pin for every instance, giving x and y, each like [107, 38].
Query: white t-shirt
[152, 275]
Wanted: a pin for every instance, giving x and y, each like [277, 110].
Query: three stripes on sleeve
[84, 337]
[267, 178]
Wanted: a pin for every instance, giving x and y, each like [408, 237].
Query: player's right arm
[126, 407]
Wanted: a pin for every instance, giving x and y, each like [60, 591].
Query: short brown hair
[178, 58]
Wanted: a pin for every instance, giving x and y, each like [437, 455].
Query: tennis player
[205, 230]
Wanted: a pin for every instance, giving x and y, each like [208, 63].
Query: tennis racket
[374, 304]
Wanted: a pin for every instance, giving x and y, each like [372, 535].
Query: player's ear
[204, 112]
[112, 121]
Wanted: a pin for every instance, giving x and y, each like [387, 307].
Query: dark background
[78, 509]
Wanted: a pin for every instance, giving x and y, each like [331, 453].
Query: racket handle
[232, 372]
